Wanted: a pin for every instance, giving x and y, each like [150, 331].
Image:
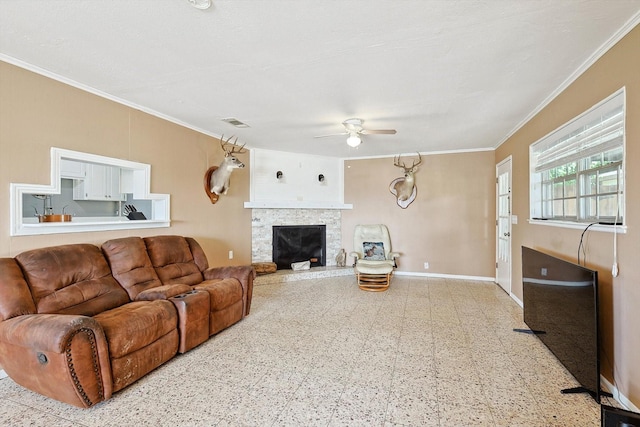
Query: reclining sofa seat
[163, 267]
[181, 260]
[69, 331]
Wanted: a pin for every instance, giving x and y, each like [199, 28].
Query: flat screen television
[616, 417]
[561, 307]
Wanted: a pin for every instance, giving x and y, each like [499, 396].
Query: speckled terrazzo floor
[321, 352]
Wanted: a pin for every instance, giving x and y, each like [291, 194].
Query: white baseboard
[620, 398]
[445, 276]
[517, 300]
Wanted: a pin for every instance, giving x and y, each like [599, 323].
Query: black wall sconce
[279, 175]
[321, 178]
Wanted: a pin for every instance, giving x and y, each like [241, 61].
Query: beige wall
[37, 113]
[451, 223]
[620, 296]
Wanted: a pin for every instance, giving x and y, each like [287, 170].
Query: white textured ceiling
[448, 75]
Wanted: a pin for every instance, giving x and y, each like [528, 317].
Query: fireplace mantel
[277, 204]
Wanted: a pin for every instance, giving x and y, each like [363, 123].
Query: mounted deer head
[404, 188]
[217, 178]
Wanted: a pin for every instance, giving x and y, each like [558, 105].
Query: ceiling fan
[353, 128]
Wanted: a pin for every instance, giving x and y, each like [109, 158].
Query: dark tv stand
[528, 331]
[575, 390]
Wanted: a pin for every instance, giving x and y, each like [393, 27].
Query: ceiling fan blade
[332, 134]
[378, 131]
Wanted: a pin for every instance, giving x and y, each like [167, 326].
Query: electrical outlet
[230, 254]
[426, 265]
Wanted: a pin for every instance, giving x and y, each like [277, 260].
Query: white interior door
[503, 225]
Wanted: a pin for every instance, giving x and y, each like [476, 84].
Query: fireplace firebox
[296, 243]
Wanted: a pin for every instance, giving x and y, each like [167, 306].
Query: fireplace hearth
[296, 243]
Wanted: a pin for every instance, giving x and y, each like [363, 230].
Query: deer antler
[224, 143]
[396, 162]
[414, 164]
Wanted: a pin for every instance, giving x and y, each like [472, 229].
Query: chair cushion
[136, 325]
[377, 268]
[373, 251]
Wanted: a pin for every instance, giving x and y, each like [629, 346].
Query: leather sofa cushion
[198, 254]
[130, 368]
[172, 259]
[136, 325]
[15, 296]
[222, 292]
[71, 279]
[130, 264]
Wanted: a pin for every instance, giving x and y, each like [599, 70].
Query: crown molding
[595, 56]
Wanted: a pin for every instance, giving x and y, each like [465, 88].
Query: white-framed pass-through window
[577, 171]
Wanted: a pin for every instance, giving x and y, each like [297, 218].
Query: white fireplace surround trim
[276, 204]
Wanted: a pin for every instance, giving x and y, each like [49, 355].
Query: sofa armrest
[162, 292]
[244, 273]
[65, 357]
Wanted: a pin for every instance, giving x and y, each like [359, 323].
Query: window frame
[542, 178]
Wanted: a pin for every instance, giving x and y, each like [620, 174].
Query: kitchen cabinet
[101, 182]
[71, 169]
[103, 189]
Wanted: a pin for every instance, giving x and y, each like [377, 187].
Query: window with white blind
[577, 171]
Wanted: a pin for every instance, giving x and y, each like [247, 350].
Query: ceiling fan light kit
[353, 128]
[353, 141]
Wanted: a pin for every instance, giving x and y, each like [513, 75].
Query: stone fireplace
[263, 220]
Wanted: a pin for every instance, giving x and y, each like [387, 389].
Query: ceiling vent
[235, 122]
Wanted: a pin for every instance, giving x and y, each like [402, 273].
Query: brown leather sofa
[161, 267]
[78, 323]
